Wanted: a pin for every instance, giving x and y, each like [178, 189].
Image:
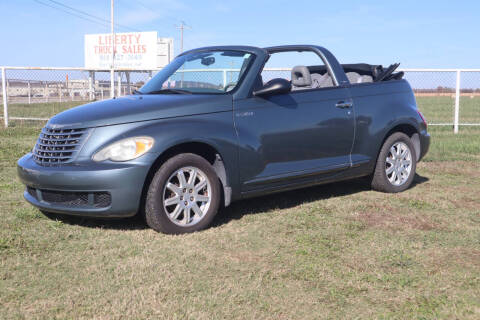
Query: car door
[297, 137]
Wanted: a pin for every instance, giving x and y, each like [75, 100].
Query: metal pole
[127, 77]
[224, 79]
[90, 85]
[119, 84]
[181, 38]
[112, 71]
[29, 94]
[457, 103]
[182, 27]
[69, 89]
[94, 95]
[4, 93]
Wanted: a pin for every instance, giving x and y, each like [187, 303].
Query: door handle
[344, 104]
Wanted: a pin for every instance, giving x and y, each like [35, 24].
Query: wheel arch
[410, 130]
[200, 148]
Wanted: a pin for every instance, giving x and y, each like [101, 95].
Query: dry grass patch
[396, 222]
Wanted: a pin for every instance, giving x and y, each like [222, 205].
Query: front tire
[396, 164]
[184, 195]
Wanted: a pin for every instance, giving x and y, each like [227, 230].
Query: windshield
[212, 72]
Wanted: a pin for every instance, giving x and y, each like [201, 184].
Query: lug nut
[191, 190]
[181, 197]
[185, 202]
[191, 198]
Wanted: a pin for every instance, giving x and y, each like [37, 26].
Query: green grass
[40, 110]
[446, 146]
[469, 109]
[333, 251]
[441, 109]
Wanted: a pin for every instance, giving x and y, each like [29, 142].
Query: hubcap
[398, 164]
[187, 196]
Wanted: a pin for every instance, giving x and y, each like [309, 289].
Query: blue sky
[428, 34]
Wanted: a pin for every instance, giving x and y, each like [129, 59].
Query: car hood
[140, 108]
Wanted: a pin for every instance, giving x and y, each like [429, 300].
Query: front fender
[214, 129]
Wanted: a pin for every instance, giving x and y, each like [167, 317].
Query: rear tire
[184, 195]
[396, 164]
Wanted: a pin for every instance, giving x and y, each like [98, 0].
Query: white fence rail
[447, 97]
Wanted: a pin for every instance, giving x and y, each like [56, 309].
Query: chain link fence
[37, 94]
[447, 97]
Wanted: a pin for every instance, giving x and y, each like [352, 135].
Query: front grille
[57, 146]
[102, 199]
[73, 199]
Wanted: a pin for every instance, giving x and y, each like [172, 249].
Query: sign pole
[112, 71]
[127, 76]
[119, 84]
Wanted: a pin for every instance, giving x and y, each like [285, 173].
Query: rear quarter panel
[378, 108]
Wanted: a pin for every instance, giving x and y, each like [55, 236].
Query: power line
[91, 15]
[97, 20]
[79, 11]
[71, 13]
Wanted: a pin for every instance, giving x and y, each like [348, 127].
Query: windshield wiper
[136, 92]
[174, 91]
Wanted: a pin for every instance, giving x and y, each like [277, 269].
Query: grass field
[333, 251]
[441, 109]
[40, 110]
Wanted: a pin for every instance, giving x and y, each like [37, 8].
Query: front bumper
[123, 181]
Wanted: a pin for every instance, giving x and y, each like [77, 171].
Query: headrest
[301, 77]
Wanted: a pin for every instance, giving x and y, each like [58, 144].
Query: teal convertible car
[215, 126]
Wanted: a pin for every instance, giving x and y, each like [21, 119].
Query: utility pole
[182, 27]
[112, 70]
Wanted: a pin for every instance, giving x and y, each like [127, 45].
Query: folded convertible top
[377, 72]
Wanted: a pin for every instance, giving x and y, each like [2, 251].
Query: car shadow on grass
[290, 199]
[237, 210]
[131, 223]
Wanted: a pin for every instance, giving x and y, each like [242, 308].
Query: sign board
[133, 50]
[164, 52]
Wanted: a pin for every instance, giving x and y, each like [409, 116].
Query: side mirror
[274, 86]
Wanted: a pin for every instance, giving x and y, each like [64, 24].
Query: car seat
[301, 78]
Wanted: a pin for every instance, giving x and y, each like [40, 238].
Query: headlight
[124, 150]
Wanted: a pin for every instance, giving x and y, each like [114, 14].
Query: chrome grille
[56, 146]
